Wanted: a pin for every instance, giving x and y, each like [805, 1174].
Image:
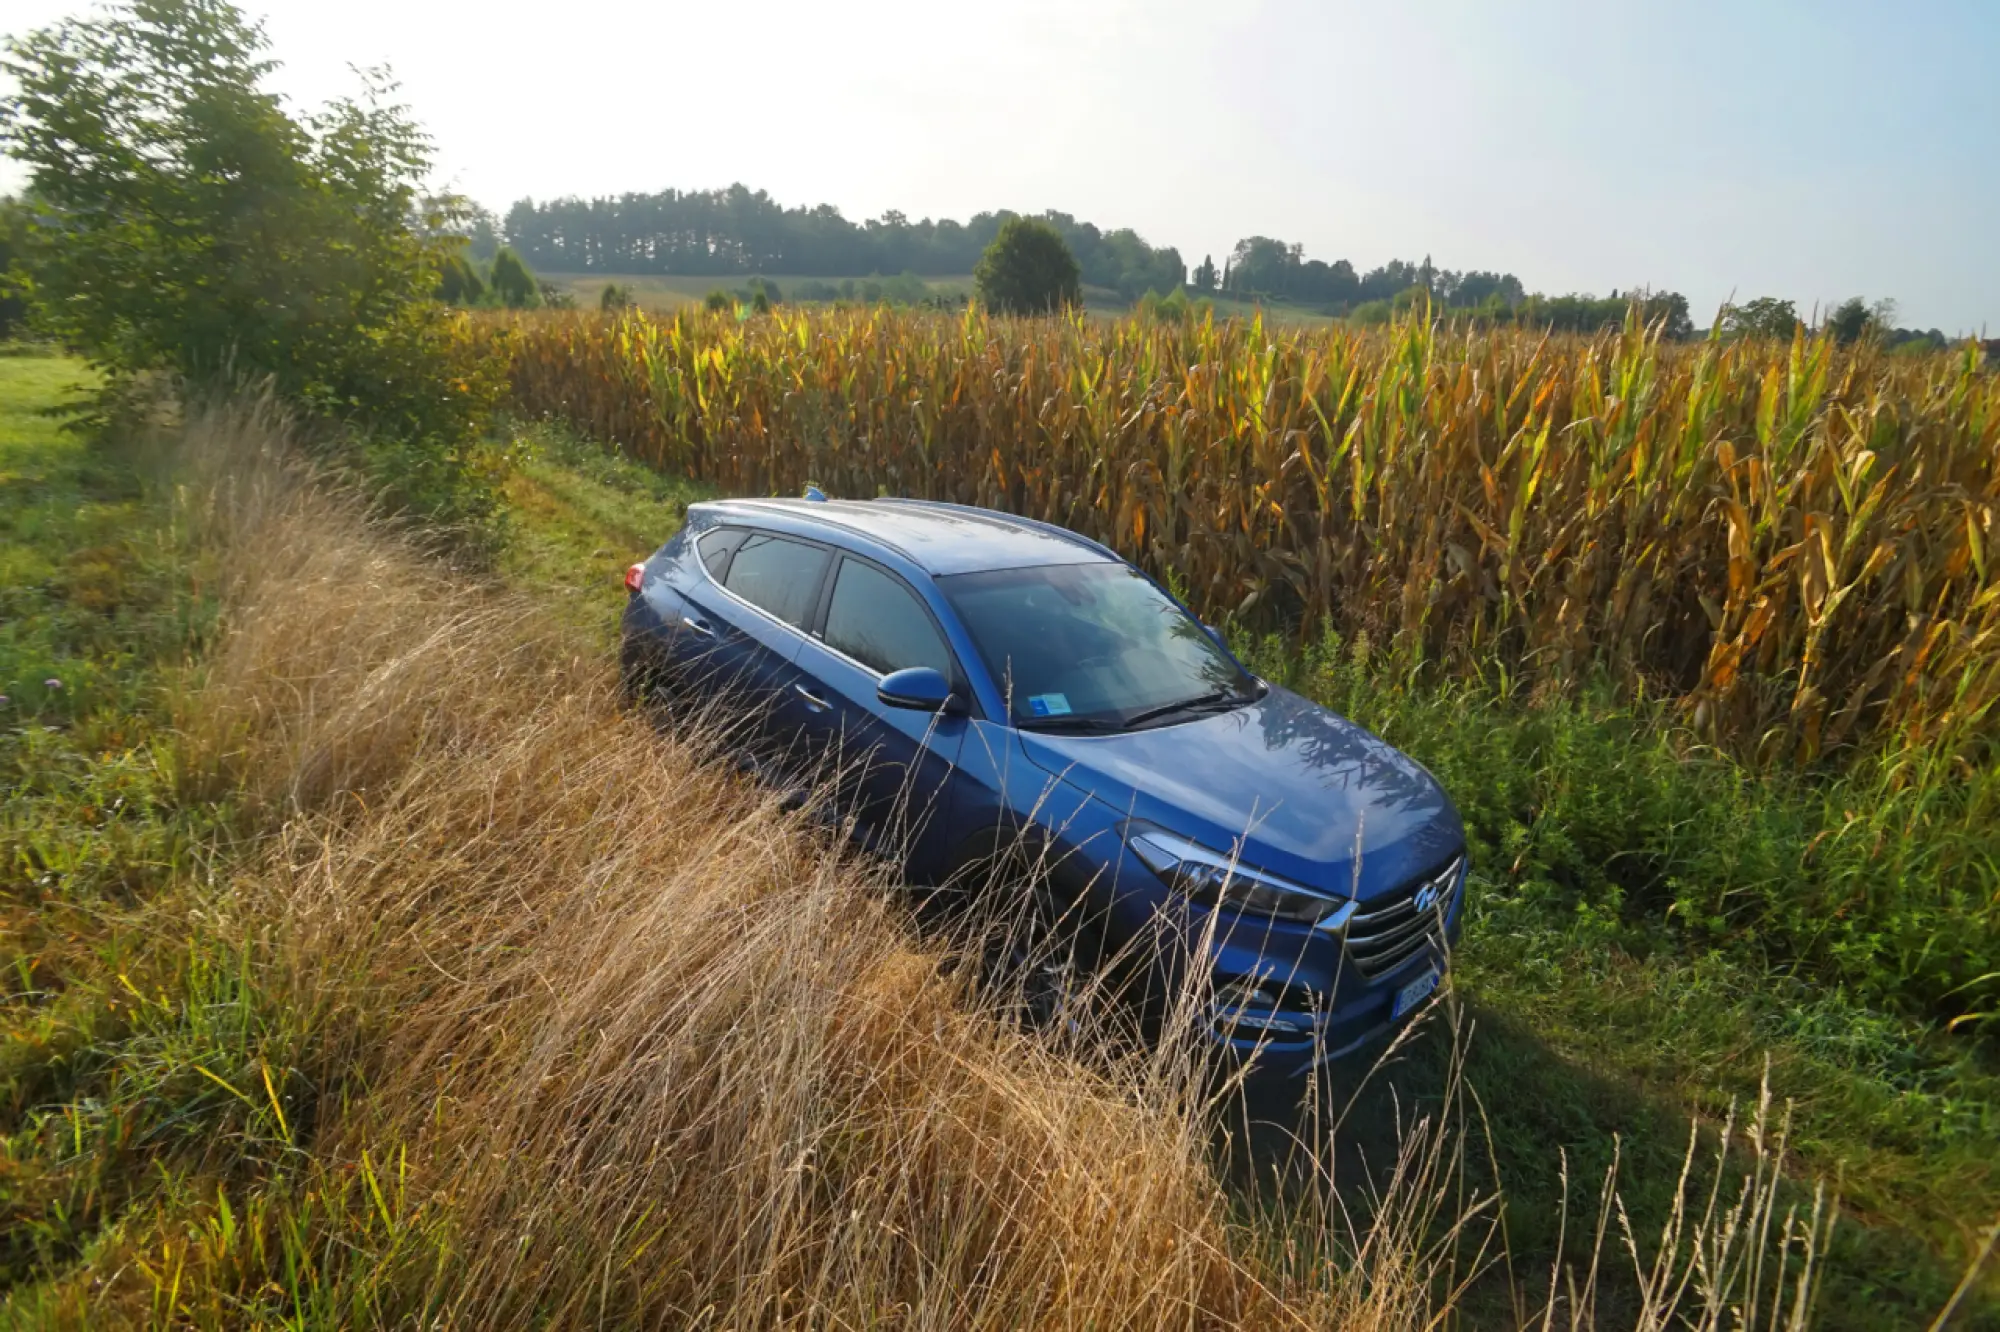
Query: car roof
[938, 538]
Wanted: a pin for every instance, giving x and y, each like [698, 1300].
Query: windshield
[1092, 646]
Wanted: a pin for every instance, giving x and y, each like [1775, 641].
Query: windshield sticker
[1049, 705]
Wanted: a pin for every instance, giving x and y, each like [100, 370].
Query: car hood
[1304, 789]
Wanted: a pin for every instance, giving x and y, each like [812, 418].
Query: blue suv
[985, 685]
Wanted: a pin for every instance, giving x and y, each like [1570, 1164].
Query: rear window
[877, 620]
[777, 574]
[717, 546]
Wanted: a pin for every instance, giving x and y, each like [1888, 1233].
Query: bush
[514, 286]
[1028, 270]
[183, 222]
[719, 300]
[615, 296]
[459, 282]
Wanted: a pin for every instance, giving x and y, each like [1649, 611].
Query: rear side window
[717, 546]
[877, 620]
[778, 575]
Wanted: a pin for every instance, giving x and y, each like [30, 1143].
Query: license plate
[1415, 993]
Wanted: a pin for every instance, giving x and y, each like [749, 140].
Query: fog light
[1233, 1001]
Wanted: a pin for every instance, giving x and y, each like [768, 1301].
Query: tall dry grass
[605, 1038]
[1792, 541]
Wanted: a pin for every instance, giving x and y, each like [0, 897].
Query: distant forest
[740, 230]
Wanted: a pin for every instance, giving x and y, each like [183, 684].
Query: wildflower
[52, 683]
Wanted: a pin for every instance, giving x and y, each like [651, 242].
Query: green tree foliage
[1849, 320]
[1264, 268]
[1028, 270]
[514, 286]
[183, 222]
[615, 296]
[742, 231]
[1854, 319]
[482, 234]
[719, 300]
[1765, 317]
[13, 300]
[1205, 277]
[1174, 307]
[459, 282]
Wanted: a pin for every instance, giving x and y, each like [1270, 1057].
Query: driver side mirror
[921, 689]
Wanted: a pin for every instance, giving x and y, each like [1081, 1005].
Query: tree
[13, 302]
[184, 222]
[1849, 320]
[1204, 274]
[1669, 309]
[1765, 317]
[459, 282]
[513, 285]
[1028, 270]
[615, 296]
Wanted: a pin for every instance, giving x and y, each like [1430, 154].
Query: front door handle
[697, 626]
[812, 700]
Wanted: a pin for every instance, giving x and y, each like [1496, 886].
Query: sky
[1720, 148]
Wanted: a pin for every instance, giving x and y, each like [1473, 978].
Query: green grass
[1602, 1016]
[582, 515]
[131, 1038]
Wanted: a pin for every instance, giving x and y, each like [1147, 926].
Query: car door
[756, 621]
[893, 766]
[691, 640]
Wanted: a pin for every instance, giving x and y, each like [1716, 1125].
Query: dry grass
[606, 1039]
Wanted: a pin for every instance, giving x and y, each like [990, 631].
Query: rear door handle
[812, 700]
[698, 626]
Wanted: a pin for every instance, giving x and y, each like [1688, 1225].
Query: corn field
[1790, 542]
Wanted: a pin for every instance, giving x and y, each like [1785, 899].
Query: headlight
[1215, 880]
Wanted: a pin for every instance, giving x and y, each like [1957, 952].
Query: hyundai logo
[1427, 896]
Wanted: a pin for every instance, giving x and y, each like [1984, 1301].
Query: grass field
[669, 292]
[666, 293]
[350, 988]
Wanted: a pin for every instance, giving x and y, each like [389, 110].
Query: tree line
[738, 230]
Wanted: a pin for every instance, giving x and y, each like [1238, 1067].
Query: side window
[780, 575]
[876, 619]
[716, 546]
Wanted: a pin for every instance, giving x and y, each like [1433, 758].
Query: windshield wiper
[1081, 725]
[1224, 698]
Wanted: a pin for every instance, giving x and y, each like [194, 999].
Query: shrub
[459, 282]
[514, 286]
[184, 222]
[1028, 270]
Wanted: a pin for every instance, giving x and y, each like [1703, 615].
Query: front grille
[1393, 928]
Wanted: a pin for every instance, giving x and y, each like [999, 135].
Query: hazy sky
[1808, 150]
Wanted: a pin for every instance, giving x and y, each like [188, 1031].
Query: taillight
[635, 576]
